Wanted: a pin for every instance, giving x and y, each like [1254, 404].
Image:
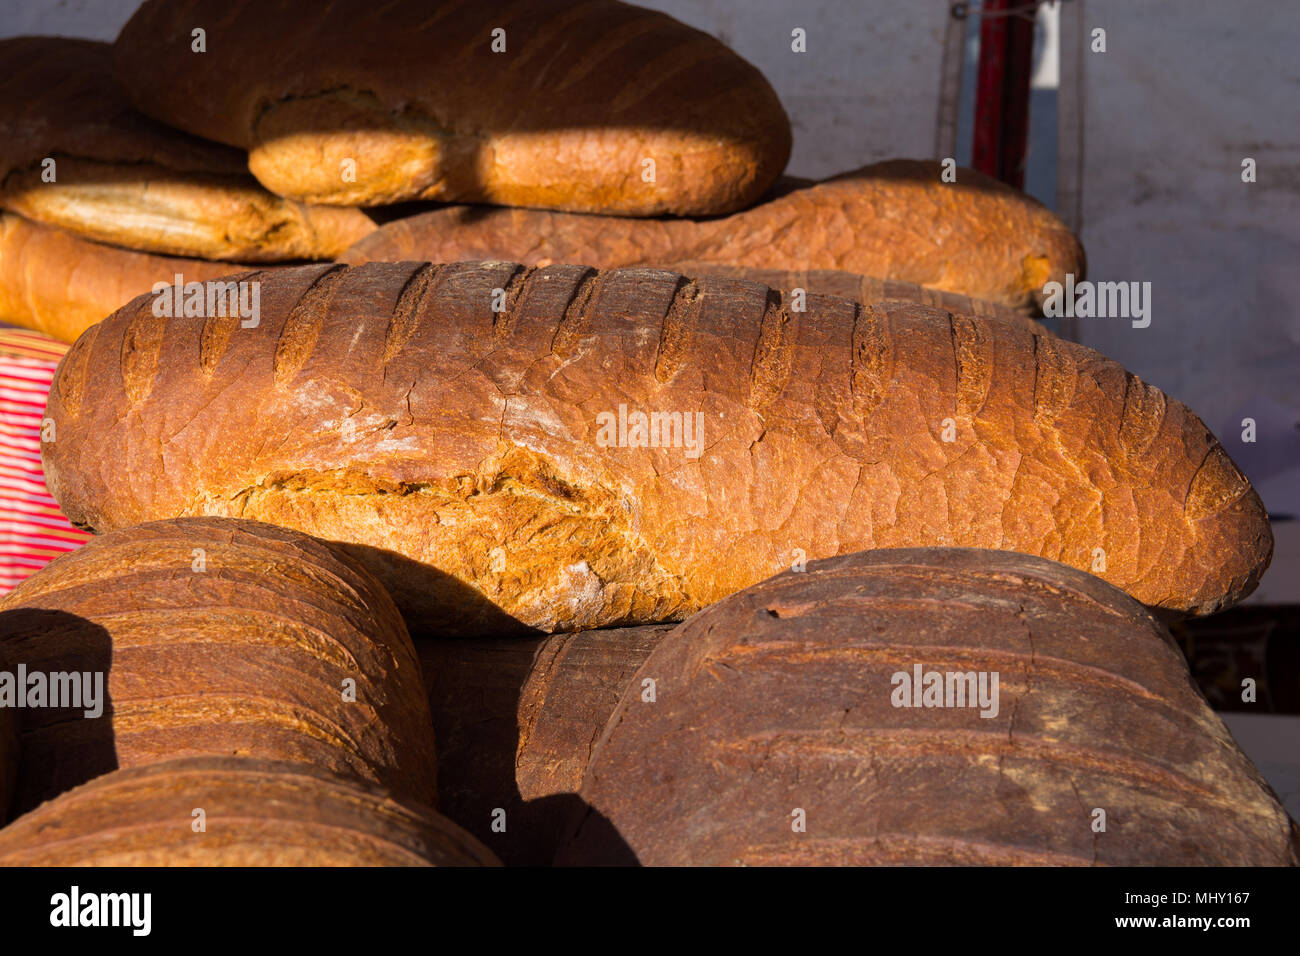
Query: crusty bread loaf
[477, 461]
[867, 290]
[120, 177]
[218, 636]
[571, 690]
[895, 220]
[419, 105]
[785, 729]
[59, 284]
[515, 720]
[253, 813]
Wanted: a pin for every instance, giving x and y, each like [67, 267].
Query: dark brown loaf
[59, 284]
[120, 177]
[417, 99]
[783, 698]
[8, 743]
[247, 657]
[574, 684]
[458, 449]
[515, 720]
[255, 813]
[867, 290]
[895, 220]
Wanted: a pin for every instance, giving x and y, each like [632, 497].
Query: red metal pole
[986, 146]
[1002, 91]
[1015, 102]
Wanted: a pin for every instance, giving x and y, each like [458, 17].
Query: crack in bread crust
[551, 555]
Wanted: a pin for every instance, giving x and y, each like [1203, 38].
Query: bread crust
[516, 719]
[784, 697]
[8, 751]
[123, 178]
[60, 284]
[255, 813]
[418, 101]
[469, 456]
[896, 220]
[218, 636]
[865, 290]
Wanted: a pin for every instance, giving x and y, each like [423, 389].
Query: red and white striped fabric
[33, 531]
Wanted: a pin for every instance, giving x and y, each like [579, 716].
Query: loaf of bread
[924, 706]
[57, 283]
[896, 220]
[74, 154]
[596, 107]
[490, 465]
[234, 811]
[8, 737]
[866, 290]
[515, 720]
[209, 636]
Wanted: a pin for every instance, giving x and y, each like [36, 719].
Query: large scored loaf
[924, 706]
[895, 220]
[212, 636]
[573, 448]
[599, 106]
[234, 811]
[60, 284]
[74, 154]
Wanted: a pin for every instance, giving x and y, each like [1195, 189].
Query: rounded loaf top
[234, 811]
[601, 107]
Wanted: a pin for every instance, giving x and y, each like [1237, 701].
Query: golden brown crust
[123, 178]
[57, 283]
[895, 220]
[470, 457]
[563, 118]
[218, 637]
[254, 813]
[784, 697]
[862, 289]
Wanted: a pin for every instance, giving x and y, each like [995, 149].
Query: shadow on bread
[434, 603]
[60, 747]
[474, 690]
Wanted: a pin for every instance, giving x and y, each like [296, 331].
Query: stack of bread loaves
[736, 520]
[279, 661]
[100, 202]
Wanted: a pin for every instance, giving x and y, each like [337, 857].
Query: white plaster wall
[1185, 91]
[866, 90]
